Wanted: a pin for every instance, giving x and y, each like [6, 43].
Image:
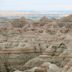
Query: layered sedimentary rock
[36, 46]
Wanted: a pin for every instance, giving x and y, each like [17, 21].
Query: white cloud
[23, 2]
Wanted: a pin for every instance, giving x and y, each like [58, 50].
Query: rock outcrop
[44, 45]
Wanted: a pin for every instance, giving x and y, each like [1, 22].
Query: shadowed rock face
[43, 45]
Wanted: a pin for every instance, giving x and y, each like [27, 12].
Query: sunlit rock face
[43, 45]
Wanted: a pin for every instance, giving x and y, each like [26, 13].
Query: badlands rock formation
[43, 45]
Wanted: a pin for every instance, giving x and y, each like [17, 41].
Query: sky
[35, 5]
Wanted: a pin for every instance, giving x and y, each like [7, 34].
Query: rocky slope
[36, 46]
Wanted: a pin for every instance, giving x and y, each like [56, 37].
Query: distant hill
[32, 14]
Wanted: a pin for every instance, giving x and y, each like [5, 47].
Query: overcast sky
[36, 5]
